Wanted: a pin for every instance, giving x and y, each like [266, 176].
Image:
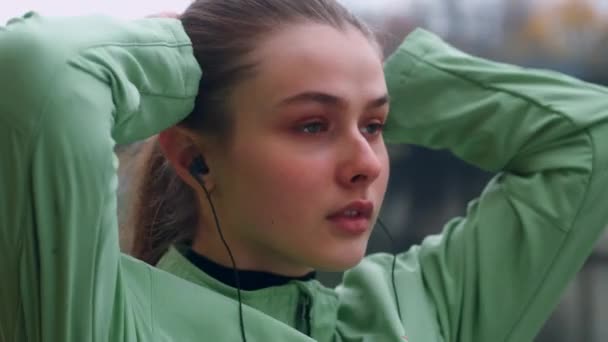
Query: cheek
[386, 167]
[377, 188]
[271, 178]
[381, 183]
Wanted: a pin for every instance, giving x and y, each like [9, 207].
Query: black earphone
[199, 167]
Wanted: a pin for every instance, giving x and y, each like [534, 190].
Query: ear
[180, 147]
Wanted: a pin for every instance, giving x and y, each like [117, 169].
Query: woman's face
[301, 182]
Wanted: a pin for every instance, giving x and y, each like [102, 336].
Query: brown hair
[223, 34]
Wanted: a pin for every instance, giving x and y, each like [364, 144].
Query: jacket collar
[248, 280]
[303, 304]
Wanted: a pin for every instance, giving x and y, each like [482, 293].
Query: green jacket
[70, 88]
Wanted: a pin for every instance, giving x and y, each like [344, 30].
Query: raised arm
[70, 88]
[497, 274]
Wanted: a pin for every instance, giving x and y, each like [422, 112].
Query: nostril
[358, 178]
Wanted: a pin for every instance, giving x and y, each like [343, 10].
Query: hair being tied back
[223, 34]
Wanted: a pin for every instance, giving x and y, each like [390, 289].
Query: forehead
[315, 57]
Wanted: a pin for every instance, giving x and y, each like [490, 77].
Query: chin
[341, 262]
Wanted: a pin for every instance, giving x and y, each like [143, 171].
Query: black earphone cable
[390, 237]
[236, 271]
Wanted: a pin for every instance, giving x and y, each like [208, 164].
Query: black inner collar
[249, 280]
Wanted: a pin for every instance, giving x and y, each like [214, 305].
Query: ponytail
[164, 208]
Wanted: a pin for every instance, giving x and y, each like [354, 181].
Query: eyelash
[378, 127]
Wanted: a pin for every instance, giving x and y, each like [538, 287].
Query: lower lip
[350, 225]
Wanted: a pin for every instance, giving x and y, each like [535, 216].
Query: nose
[361, 162]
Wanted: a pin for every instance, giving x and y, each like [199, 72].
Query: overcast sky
[141, 8]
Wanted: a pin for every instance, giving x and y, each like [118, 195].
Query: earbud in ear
[198, 166]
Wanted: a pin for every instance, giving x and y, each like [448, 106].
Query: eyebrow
[330, 100]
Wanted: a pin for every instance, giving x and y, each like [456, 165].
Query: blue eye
[314, 127]
[373, 129]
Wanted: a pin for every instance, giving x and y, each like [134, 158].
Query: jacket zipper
[303, 315]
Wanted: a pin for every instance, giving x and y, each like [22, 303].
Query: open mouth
[354, 218]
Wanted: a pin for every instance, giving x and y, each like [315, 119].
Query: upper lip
[364, 209]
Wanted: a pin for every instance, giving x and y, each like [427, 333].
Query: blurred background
[429, 187]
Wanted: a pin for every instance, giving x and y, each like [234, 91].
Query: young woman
[272, 164]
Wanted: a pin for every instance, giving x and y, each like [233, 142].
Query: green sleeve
[70, 88]
[496, 274]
